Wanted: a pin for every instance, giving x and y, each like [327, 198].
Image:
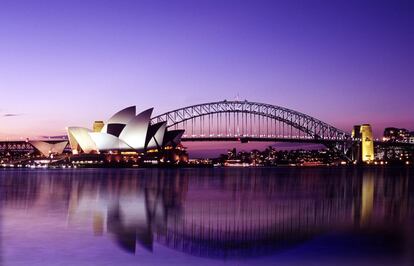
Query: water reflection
[220, 213]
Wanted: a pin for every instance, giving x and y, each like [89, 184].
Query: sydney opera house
[125, 131]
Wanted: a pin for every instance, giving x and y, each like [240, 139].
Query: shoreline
[388, 166]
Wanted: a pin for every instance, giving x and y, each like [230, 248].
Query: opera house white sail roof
[46, 149]
[125, 131]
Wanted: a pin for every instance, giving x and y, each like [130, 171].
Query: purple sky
[66, 63]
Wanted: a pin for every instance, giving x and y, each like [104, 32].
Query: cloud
[10, 115]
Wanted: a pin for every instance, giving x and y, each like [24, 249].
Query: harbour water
[214, 216]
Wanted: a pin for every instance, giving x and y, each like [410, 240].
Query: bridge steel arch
[314, 129]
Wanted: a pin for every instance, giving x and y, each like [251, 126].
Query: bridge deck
[260, 139]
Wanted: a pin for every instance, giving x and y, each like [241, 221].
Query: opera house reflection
[218, 213]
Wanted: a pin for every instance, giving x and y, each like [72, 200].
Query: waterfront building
[124, 132]
[364, 150]
[392, 134]
[47, 149]
[97, 126]
[367, 143]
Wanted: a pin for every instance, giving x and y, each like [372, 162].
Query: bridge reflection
[217, 212]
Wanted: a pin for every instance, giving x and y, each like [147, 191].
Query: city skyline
[345, 63]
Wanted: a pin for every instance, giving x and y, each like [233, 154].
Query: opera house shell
[124, 131]
[46, 149]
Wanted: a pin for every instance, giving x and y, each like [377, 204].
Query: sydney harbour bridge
[242, 121]
[250, 121]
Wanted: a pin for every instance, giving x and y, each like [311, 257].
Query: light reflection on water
[249, 216]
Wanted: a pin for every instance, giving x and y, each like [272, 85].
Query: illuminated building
[394, 152]
[97, 126]
[392, 134]
[46, 149]
[367, 140]
[125, 131]
[365, 149]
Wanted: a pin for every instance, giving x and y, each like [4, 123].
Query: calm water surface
[275, 216]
